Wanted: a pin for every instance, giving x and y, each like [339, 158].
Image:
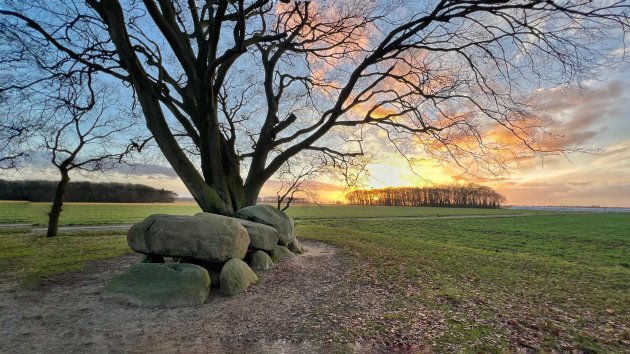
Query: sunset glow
[595, 119]
[423, 115]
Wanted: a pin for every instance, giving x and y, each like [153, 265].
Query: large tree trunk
[252, 190]
[57, 206]
[206, 196]
[219, 187]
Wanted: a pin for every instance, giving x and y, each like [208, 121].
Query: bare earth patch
[307, 304]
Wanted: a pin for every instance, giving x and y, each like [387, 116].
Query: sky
[595, 116]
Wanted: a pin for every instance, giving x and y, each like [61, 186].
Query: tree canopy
[232, 90]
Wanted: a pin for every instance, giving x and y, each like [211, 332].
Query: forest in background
[44, 191]
[464, 196]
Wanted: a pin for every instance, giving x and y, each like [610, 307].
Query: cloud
[149, 170]
[556, 193]
[472, 179]
[578, 114]
[598, 179]
[614, 154]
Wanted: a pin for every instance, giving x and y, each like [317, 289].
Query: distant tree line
[463, 196]
[44, 191]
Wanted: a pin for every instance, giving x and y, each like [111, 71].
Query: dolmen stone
[205, 236]
[260, 260]
[159, 285]
[280, 253]
[295, 246]
[236, 277]
[268, 215]
[261, 236]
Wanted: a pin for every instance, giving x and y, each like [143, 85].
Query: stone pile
[206, 250]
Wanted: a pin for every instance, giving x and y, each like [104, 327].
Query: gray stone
[295, 246]
[236, 277]
[268, 215]
[159, 285]
[280, 253]
[205, 236]
[260, 260]
[261, 236]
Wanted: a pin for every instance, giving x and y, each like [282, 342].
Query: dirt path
[85, 228]
[289, 310]
[14, 225]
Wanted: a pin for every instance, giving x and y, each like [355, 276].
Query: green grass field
[551, 282]
[89, 213]
[561, 280]
[103, 214]
[27, 259]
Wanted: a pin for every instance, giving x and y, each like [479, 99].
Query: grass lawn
[557, 282]
[26, 258]
[90, 213]
[121, 213]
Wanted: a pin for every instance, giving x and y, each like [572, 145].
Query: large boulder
[260, 260]
[205, 236]
[159, 285]
[280, 253]
[236, 277]
[268, 215]
[261, 236]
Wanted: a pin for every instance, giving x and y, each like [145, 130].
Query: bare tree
[299, 176]
[440, 74]
[82, 134]
[14, 134]
[11, 137]
[296, 182]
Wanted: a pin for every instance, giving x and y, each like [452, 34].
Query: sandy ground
[287, 311]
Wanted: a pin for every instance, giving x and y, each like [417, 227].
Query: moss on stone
[236, 277]
[280, 253]
[160, 285]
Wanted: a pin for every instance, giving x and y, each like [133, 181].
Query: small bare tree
[299, 176]
[83, 133]
[297, 182]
